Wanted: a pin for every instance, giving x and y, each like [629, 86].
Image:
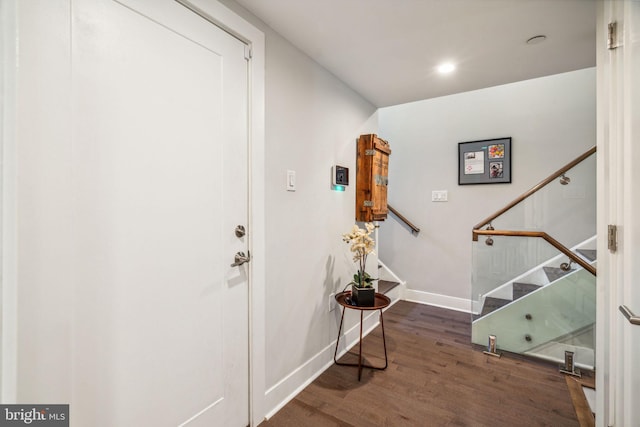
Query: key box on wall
[372, 178]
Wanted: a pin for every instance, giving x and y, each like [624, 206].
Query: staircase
[533, 293]
[389, 284]
[545, 311]
[385, 286]
[552, 270]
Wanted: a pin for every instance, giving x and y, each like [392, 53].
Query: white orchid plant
[361, 245]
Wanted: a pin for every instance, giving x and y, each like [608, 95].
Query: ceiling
[388, 50]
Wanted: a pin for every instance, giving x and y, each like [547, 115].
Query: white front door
[160, 148]
[618, 374]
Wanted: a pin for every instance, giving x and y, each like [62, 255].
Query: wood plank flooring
[435, 378]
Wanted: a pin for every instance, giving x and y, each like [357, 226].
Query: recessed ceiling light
[537, 39]
[446, 68]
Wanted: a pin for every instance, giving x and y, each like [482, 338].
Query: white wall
[312, 122]
[551, 120]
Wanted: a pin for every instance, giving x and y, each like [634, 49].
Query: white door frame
[8, 220]
[229, 21]
[615, 198]
[608, 210]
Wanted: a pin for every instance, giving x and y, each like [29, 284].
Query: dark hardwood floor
[435, 378]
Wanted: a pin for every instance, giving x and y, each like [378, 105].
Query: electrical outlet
[332, 302]
[439, 196]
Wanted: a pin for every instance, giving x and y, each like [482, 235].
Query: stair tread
[492, 304]
[554, 273]
[590, 254]
[385, 286]
[522, 289]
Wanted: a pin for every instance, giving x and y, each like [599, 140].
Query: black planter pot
[363, 297]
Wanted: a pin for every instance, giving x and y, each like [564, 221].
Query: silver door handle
[241, 258]
[632, 318]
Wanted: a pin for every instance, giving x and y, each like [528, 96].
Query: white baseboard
[438, 300]
[289, 387]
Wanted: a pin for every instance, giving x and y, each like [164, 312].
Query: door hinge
[368, 203]
[612, 36]
[248, 54]
[369, 152]
[612, 238]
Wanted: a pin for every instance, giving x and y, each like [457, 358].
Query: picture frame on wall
[486, 161]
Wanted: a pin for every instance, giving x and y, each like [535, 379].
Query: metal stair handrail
[541, 234]
[401, 217]
[533, 190]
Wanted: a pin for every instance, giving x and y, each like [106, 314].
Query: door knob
[241, 258]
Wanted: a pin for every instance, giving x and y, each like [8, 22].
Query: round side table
[381, 301]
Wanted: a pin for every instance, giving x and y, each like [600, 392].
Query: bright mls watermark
[34, 415]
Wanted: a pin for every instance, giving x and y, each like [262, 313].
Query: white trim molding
[8, 227]
[438, 300]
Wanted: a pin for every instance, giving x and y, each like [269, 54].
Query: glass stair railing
[543, 312]
[534, 266]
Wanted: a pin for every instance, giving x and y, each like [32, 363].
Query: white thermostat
[340, 175]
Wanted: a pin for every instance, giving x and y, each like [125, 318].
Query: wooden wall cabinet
[372, 178]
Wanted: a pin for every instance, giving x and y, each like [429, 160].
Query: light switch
[439, 196]
[291, 180]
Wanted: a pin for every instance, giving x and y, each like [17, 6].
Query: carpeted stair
[522, 289]
[554, 273]
[590, 254]
[492, 304]
[519, 290]
[385, 286]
